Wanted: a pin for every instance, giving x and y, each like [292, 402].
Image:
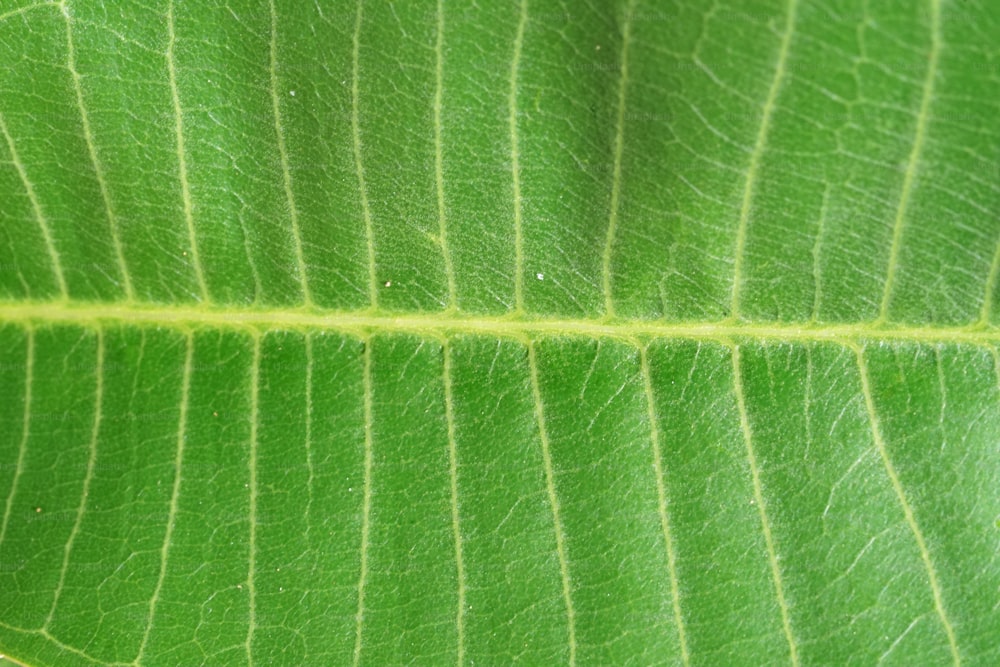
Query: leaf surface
[604, 333]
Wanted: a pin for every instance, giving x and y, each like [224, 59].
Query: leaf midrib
[437, 324]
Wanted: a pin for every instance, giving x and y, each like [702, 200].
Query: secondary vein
[616, 177]
[449, 271]
[36, 208]
[453, 477]
[22, 449]
[286, 174]
[750, 183]
[661, 496]
[550, 485]
[515, 160]
[87, 479]
[367, 499]
[358, 163]
[182, 174]
[758, 494]
[88, 137]
[174, 494]
[914, 159]
[908, 514]
[252, 511]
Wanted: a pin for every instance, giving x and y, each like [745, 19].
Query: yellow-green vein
[87, 479]
[661, 498]
[449, 404]
[996, 366]
[88, 137]
[310, 470]
[434, 324]
[43, 223]
[175, 493]
[749, 185]
[22, 448]
[75, 651]
[550, 487]
[808, 401]
[943, 391]
[913, 161]
[897, 487]
[616, 174]
[991, 285]
[286, 173]
[366, 503]
[817, 273]
[182, 156]
[758, 494]
[515, 159]
[359, 167]
[21, 10]
[252, 511]
[449, 271]
[58, 644]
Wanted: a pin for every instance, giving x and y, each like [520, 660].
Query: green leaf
[605, 333]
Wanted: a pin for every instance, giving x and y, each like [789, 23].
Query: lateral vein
[609, 306]
[23, 10]
[88, 477]
[453, 477]
[366, 499]
[991, 284]
[358, 163]
[88, 137]
[911, 520]
[43, 223]
[310, 467]
[252, 511]
[914, 159]
[286, 174]
[174, 494]
[749, 185]
[182, 156]
[758, 494]
[550, 485]
[449, 271]
[515, 160]
[22, 449]
[661, 497]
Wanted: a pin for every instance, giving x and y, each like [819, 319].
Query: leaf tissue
[451, 332]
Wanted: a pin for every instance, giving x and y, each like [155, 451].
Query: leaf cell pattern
[621, 332]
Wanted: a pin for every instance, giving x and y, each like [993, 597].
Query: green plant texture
[589, 332]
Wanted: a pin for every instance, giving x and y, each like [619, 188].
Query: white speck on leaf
[292, 93]
[540, 276]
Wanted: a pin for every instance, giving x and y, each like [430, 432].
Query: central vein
[367, 322]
